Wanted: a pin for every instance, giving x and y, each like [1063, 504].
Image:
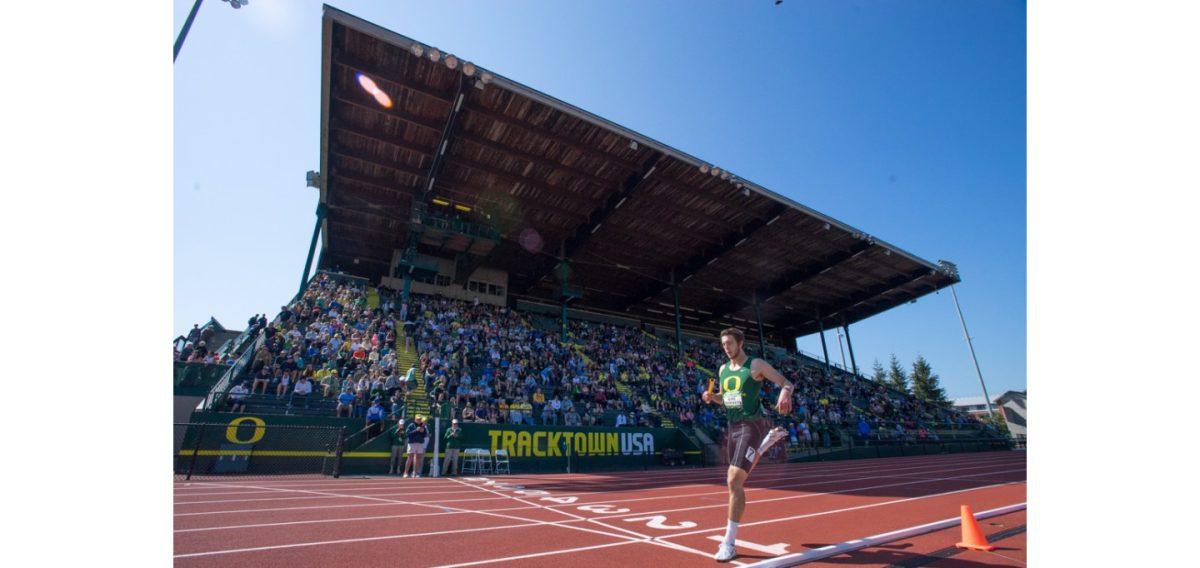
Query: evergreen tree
[877, 373]
[925, 384]
[897, 378]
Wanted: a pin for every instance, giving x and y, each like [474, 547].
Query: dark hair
[735, 333]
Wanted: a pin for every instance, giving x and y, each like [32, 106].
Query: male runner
[749, 432]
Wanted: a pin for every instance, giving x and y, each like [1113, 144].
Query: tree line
[921, 382]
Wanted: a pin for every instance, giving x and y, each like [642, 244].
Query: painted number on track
[605, 509]
[560, 500]
[660, 522]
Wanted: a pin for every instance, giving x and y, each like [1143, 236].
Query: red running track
[665, 517]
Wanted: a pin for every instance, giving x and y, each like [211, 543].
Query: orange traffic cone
[972, 536]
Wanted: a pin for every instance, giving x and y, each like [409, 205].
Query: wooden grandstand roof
[628, 211]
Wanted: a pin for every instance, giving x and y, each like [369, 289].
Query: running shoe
[725, 553]
[776, 434]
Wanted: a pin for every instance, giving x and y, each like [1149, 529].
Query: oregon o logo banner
[736, 381]
[231, 433]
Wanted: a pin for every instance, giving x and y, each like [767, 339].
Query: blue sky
[904, 119]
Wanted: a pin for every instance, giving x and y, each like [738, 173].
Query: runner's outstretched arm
[763, 370]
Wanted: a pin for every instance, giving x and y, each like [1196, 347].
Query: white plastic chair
[485, 461]
[502, 462]
[470, 461]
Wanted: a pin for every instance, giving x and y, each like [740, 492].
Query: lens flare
[530, 240]
[370, 87]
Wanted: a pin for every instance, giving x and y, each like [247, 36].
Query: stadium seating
[478, 362]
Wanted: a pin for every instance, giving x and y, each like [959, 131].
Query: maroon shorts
[744, 437]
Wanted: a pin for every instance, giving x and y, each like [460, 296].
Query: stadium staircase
[372, 298]
[418, 398]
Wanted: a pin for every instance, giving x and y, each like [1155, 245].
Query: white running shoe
[725, 553]
[776, 434]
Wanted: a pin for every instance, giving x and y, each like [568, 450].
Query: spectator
[398, 437]
[452, 437]
[331, 382]
[415, 433]
[621, 420]
[571, 418]
[284, 381]
[549, 416]
[374, 421]
[397, 405]
[260, 379]
[302, 389]
[345, 403]
[237, 397]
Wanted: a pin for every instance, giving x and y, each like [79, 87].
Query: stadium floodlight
[715, 172]
[703, 168]
[633, 145]
[191, 17]
[313, 179]
[745, 192]
[417, 50]
[451, 61]
[434, 54]
[468, 69]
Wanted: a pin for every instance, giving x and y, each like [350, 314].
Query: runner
[749, 432]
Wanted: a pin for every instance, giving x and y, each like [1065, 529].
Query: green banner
[530, 448]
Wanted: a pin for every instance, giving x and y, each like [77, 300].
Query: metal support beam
[762, 344]
[824, 349]
[850, 347]
[987, 399]
[439, 156]
[678, 320]
[312, 246]
[564, 320]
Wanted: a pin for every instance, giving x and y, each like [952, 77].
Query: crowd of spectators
[489, 364]
[327, 344]
[197, 347]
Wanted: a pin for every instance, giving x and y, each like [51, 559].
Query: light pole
[987, 399]
[187, 24]
[839, 332]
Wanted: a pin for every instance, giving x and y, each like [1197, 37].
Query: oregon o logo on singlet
[740, 392]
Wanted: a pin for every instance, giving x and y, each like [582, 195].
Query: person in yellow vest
[750, 433]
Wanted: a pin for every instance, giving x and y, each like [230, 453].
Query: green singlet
[740, 392]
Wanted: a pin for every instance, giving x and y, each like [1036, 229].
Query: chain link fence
[251, 448]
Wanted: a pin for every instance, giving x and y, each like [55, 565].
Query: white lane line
[639, 536]
[843, 510]
[349, 540]
[879, 539]
[215, 501]
[341, 520]
[818, 494]
[537, 554]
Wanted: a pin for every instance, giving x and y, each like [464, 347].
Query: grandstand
[533, 263]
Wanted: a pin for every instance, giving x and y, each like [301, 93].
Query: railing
[250, 449]
[211, 401]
